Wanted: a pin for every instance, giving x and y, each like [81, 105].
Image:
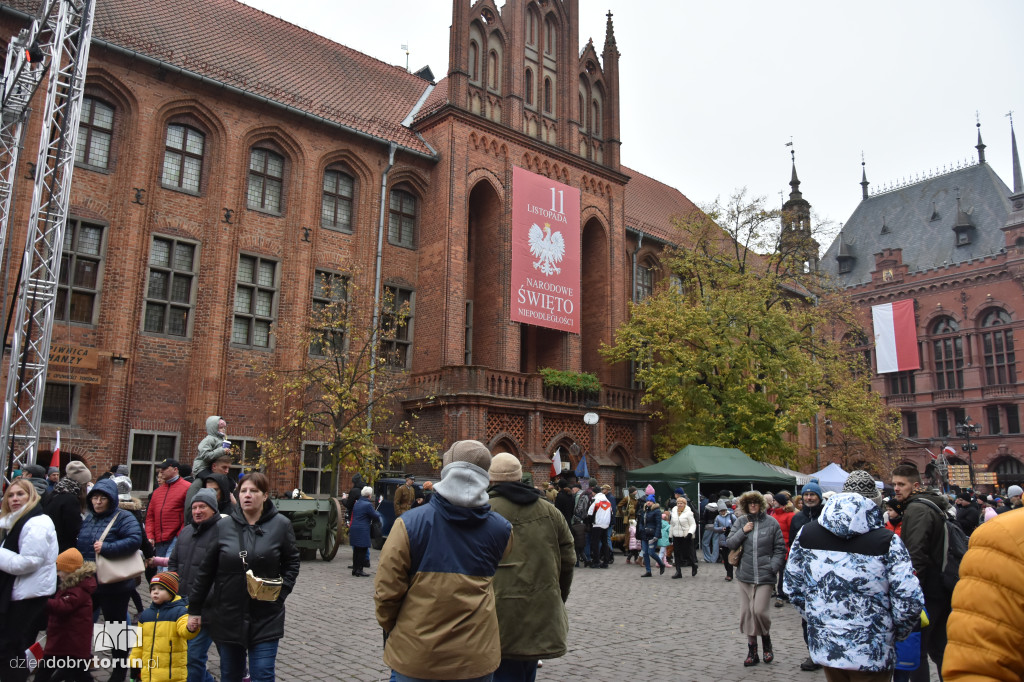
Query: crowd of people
[868, 574]
[220, 562]
[471, 560]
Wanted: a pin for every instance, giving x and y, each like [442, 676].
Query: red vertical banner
[545, 252]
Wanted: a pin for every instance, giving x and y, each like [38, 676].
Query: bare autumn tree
[744, 345]
[346, 391]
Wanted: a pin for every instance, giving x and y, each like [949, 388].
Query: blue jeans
[198, 651]
[164, 549]
[399, 677]
[262, 657]
[651, 549]
[516, 671]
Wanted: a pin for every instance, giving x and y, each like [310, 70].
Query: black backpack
[954, 546]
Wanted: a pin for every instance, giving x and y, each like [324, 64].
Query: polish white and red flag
[895, 336]
[55, 460]
[949, 451]
[556, 463]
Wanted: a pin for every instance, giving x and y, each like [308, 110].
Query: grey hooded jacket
[764, 548]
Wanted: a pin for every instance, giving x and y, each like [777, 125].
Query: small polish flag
[556, 463]
[895, 336]
[33, 654]
[55, 460]
[949, 451]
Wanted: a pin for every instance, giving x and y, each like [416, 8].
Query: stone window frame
[998, 354]
[69, 287]
[174, 273]
[68, 390]
[401, 216]
[142, 470]
[322, 455]
[254, 288]
[184, 154]
[322, 298]
[947, 354]
[397, 348]
[88, 131]
[262, 172]
[335, 194]
[245, 452]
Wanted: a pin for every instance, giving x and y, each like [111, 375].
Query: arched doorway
[594, 296]
[484, 297]
[1009, 470]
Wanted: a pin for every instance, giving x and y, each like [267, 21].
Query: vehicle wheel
[334, 532]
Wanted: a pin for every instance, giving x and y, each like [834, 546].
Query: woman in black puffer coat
[253, 537]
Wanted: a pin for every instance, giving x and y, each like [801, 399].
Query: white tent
[831, 478]
[801, 479]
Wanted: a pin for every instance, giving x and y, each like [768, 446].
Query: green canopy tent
[697, 464]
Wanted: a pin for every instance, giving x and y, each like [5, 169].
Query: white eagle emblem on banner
[548, 247]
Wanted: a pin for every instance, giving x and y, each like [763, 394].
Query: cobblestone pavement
[620, 627]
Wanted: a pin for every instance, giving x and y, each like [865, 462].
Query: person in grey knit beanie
[464, 478]
[860, 482]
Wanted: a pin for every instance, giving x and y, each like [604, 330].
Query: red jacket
[785, 517]
[165, 514]
[69, 625]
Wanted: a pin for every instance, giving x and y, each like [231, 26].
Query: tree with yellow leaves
[345, 392]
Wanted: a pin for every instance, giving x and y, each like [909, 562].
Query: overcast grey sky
[711, 91]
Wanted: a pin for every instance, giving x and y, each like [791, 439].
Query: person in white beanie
[533, 584]
[1013, 498]
[433, 588]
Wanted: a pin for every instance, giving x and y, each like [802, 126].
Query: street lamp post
[965, 430]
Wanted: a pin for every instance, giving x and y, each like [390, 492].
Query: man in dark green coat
[533, 580]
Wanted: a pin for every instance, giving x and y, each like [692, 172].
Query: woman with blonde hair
[28, 575]
[764, 555]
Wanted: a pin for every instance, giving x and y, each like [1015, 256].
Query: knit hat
[505, 467]
[964, 495]
[650, 498]
[69, 561]
[34, 469]
[860, 482]
[472, 451]
[1014, 491]
[53, 470]
[649, 489]
[812, 487]
[679, 491]
[78, 472]
[782, 498]
[167, 580]
[208, 497]
[121, 470]
[464, 475]
[124, 487]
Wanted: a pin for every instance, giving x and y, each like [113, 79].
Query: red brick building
[953, 241]
[218, 176]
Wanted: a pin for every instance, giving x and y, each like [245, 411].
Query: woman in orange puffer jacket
[986, 627]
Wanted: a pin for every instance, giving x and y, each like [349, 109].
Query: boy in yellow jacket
[162, 652]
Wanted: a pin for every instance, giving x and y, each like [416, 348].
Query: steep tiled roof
[262, 55]
[919, 219]
[651, 205]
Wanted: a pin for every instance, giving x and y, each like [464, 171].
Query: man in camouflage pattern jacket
[852, 581]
